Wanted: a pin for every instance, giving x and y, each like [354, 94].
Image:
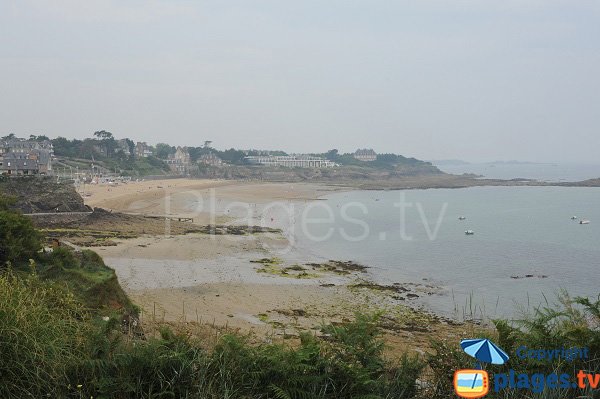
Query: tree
[332, 155]
[19, 240]
[9, 137]
[131, 146]
[163, 150]
[108, 141]
[103, 135]
[40, 138]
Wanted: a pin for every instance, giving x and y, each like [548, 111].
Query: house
[182, 155]
[210, 159]
[142, 150]
[18, 164]
[180, 162]
[100, 150]
[123, 147]
[365, 155]
[26, 157]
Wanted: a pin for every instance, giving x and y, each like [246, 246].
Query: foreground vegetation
[68, 330]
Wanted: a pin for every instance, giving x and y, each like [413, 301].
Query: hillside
[139, 167]
[348, 173]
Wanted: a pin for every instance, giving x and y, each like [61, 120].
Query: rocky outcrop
[42, 194]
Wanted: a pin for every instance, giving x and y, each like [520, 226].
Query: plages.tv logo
[471, 383]
[474, 383]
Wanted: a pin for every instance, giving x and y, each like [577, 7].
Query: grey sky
[476, 80]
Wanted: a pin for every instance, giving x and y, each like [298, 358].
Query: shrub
[19, 240]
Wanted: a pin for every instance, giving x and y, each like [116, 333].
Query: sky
[432, 79]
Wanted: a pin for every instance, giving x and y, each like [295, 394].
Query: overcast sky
[474, 80]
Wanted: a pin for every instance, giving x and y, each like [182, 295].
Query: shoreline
[240, 250]
[182, 278]
[254, 281]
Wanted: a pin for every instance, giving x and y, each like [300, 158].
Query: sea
[527, 248]
[549, 172]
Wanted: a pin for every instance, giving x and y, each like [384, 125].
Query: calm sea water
[542, 172]
[518, 231]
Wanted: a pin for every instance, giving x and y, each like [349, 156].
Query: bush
[63, 258]
[566, 324]
[347, 365]
[19, 240]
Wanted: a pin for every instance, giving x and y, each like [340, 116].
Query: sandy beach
[221, 280]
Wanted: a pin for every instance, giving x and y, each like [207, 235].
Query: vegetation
[569, 323]
[18, 238]
[42, 334]
[383, 161]
[106, 152]
[52, 347]
[56, 341]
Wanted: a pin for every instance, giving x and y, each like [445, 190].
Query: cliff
[42, 194]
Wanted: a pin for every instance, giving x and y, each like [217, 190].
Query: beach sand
[215, 279]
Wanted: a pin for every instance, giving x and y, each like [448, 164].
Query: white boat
[584, 222]
[462, 218]
[469, 232]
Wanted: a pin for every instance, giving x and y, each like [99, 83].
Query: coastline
[221, 280]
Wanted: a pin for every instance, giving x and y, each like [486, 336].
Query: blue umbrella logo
[484, 350]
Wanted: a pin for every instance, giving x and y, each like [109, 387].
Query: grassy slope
[85, 274]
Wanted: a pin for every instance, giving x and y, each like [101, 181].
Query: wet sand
[215, 279]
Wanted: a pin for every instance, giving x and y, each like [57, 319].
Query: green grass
[52, 347]
[53, 342]
[42, 331]
[85, 274]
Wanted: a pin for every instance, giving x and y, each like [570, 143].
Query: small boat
[584, 221]
[573, 217]
[469, 232]
[462, 218]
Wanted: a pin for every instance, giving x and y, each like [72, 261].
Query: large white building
[291, 161]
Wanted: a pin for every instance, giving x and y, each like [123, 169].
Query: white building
[210, 159]
[291, 161]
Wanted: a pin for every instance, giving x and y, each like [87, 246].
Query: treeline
[104, 145]
[230, 156]
[383, 161]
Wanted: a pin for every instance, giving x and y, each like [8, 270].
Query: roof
[27, 144]
[365, 151]
[19, 164]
